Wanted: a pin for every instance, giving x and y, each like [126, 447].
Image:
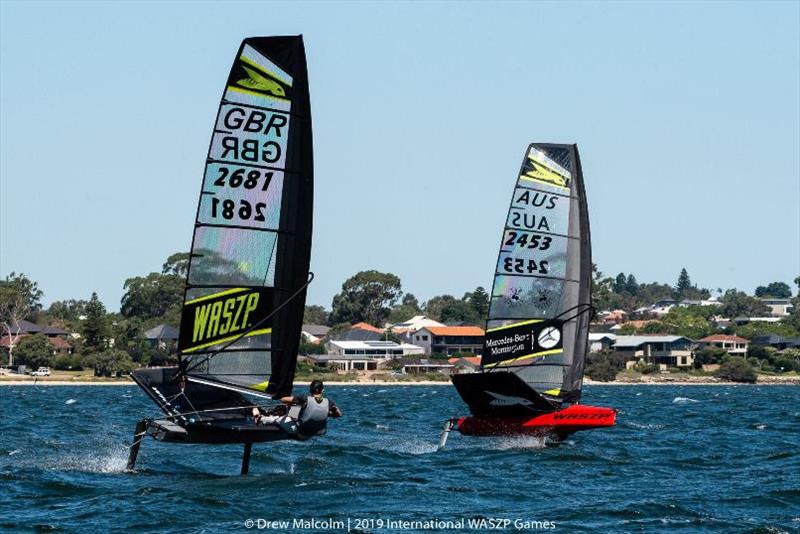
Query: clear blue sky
[686, 115]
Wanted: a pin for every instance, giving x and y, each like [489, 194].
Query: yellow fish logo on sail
[541, 173]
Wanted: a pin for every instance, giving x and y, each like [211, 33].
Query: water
[682, 459]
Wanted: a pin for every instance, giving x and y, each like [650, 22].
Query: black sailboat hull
[198, 413]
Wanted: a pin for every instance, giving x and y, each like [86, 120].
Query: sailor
[313, 417]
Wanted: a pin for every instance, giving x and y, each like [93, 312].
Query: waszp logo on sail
[223, 317]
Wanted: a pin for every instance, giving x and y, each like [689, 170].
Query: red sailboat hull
[561, 422]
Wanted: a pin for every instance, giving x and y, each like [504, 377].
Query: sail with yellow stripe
[539, 311]
[245, 290]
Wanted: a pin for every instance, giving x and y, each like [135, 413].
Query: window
[424, 338]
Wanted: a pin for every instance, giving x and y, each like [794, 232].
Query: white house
[779, 307]
[600, 341]
[675, 351]
[372, 349]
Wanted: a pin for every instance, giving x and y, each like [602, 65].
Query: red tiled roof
[56, 342]
[365, 326]
[455, 330]
[725, 337]
[474, 360]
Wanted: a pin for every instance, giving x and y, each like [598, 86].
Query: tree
[479, 300]
[111, 363]
[95, 328]
[34, 352]
[19, 299]
[776, 290]
[631, 285]
[739, 304]
[459, 311]
[177, 264]
[66, 311]
[736, 369]
[315, 315]
[153, 296]
[620, 283]
[684, 284]
[367, 296]
[710, 355]
[434, 306]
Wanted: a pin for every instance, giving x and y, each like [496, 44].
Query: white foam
[71, 401]
[683, 400]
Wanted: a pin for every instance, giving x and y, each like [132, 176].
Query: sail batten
[252, 235]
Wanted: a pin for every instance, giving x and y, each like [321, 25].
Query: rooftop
[725, 338]
[162, 331]
[368, 344]
[366, 326]
[316, 330]
[635, 341]
[455, 330]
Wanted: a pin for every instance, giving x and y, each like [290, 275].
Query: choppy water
[682, 459]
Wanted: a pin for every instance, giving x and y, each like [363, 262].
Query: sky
[686, 115]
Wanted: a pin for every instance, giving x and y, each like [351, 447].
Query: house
[22, 329]
[744, 320]
[414, 324]
[705, 302]
[466, 364]
[162, 336]
[449, 340]
[347, 362]
[371, 349]
[361, 332]
[635, 324]
[778, 342]
[612, 317]
[662, 307]
[423, 366]
[599, 341]
[662, 350]
[314, 333]
[779, 307]
[733, 345]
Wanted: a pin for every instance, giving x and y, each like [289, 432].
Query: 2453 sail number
[526, 240]
[523, 266]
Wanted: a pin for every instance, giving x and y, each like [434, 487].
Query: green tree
[435, 305]
[683, 285]
[153, 296]
[707, 356]
[459, 311]
[631, 285]
[776, 290]
[739, 304]
[736, 369]
[66, 311]
[177, 264]
[479, 300]
[34, 352]
[367, 296]
[315, 315]
[620, 283]
[19, 300]
[111, 363]
[95, 327]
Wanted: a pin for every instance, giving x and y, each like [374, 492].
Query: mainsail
[245, 290]
[540, 302]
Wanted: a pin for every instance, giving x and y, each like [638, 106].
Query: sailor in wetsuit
[314, 412]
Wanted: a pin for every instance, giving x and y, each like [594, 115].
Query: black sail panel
[539, 310]
[251, 248]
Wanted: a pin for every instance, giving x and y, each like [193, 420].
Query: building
[779, 307]
[314, 333]
[612, 317]
[449, 340]
[424, 366]
[636, 325]
[599, 341]
[414, 324]
[662, 350]
[372, 349]
[22, 329]
[466, 364]
[162, 336]
[361, 332]
[778, 342]
[734, 345]
[347, 362]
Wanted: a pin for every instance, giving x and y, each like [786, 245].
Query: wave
[683, 400]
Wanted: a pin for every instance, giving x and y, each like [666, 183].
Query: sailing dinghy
[537, 330]
[249, 264]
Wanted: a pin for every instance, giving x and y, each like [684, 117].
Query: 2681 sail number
[245, 210]
[242, 177]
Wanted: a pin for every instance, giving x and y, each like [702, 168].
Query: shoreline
[773, 381]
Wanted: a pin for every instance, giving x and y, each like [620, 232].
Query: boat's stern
[561, 423]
